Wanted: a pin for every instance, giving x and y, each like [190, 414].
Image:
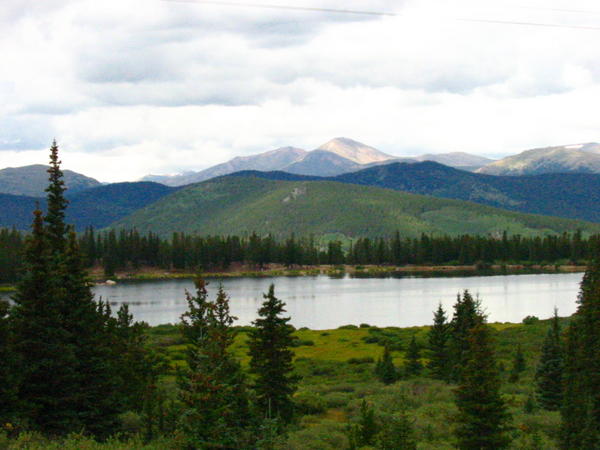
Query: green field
[238, 205]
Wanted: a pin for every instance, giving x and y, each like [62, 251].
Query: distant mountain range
[242, 204]
[571, 195]
[578, 158]
[98, 207]
[33, 180]
[335, 157]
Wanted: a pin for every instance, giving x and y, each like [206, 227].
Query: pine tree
[397, 431]
[518, 365]
[216, 413]
[44, 347]
[413, 359]
[57, 203]
[549, 374]
[482, 418]
[362, 433]
[438, 345]
[466, 316]
[271, 359]
[581, 402]
[8, 372]
[384, 369]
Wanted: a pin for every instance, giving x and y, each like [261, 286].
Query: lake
[322, 302]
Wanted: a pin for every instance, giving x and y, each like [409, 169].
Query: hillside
[33, 180]
[239, 205]
[574, 196]
[578, 158]
[97, 207]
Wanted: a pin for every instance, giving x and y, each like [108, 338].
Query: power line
[391, 14]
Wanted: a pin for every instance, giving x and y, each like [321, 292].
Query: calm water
[322, 302]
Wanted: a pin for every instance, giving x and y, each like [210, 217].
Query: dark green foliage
[483, 418]
[384, 369]
[549, 374]
[271, 359]
[466, 315]
[397, 431]
[518, 365]
[363, 432]
[44, 347]
[581, 402]
[413, 365]
[212, 390]
[439, 362]
[8, 399]
[63, 338]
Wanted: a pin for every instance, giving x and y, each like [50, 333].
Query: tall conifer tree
[385, 369]
[482, 419]
[271, 359]
[8, 379]
[413, 359]
[439, 361]
[549, 374]
[466, 316]
[581, 403]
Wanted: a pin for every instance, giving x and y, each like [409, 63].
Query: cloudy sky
[131, 87]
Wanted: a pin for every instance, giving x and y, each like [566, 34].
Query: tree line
[128, 249]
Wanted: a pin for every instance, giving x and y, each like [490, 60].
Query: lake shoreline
[273, 270]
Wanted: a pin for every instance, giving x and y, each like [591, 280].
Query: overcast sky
[132, 87]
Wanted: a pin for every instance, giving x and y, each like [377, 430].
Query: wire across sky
[392, 14]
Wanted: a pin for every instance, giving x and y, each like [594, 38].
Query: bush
[364, 325]
[530, 320]
[348, 327]
[364, 360]
[309, 403]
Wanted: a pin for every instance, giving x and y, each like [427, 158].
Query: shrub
[308, 402]
[530, 320]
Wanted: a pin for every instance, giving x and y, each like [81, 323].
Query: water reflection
[323, 302]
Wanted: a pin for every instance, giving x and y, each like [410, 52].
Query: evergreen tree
[213, 390]
[466, 316]
[42, 344]
[397, 431]
[581, 401]
[413, 359]
[384, 369]
[271, 359]
[549, 374]
[61, 334]
[482, 419]
[518, 365]
[438, 346]
[8, 399]
[362, 433]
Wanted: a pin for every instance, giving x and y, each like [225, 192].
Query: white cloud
[131, 87]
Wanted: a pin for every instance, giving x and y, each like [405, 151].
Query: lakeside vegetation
[74, 375]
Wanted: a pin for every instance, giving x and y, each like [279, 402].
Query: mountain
[578, 158]
[575, 196]
[322, 163]
[354, 151]
[272, 160]
[97, 207]
[242, 204]
[32, 180]
[460, 160]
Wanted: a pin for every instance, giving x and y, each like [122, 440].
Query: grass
[336, 369]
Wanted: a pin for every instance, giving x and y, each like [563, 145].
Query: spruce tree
[518, 365]
[581, 402]
[61, 333]
[482, 418]
[549, 374]
[413, 359]
[44, 347]
[466, 316]
[213, 389]
[271, 359]
[439, 360]
[384, 369]
[8, 370]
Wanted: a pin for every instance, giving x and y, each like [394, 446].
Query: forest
[77, 375]
[130, 250]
